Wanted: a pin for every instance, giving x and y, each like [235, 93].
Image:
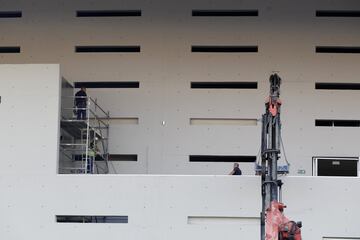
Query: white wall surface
[29, 117]
[286, 33]
[158, 206]
[327, 206]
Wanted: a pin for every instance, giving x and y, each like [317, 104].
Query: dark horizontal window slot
[108, 13]
[337, 49]
[91, 219]
[336, 123]
[123, 157]
[107, 84]
[323, 123]
[347, 123]
[218, 158]
[225, 13]
[338, 13]
[10, 14]
[9, 49]
[81, 157]
[337, 86]
[224, 85]
[224, 49]
[106, 49]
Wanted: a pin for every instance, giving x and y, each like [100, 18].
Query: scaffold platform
[84, 142]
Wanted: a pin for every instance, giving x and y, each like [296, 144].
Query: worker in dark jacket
[236, 170]
[81, 103]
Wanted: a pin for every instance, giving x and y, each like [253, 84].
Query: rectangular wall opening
[10, 14]
[225, 13]
[221, 158]
[124, 120]
[336, 123]
[224, 49]
[337, 86]
[324, 123]
[338, 49]
[112, 157]
[80, 157]
[123, 157]
[91, 219]
[108, 13]
[113, 121]
[335, 166]
[107, 49]
[223, 121]
[224, 85]
[9, 49]
[121, 84]
[338, 13]
[206, 220]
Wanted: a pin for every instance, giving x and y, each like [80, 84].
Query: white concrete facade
[191, 200]
[158, 206]
[286, 34]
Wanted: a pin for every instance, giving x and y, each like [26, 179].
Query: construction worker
[91, 160]
[236, 170]
[81, 103]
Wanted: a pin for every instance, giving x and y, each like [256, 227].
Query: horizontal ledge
[225, 13]
[200, 220]
[107, 49]
[108, 13]
[120, 120]
[341, 238]
[224, 85]
[250, 177]
[224, 121]
[124, 120]
[224, 49]
[336, 157]
[111, 84]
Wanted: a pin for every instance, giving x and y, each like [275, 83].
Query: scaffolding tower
[83, 142]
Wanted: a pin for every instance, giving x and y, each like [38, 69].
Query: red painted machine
[277, 226]
[274, 225]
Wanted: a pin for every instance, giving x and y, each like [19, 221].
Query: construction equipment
[274, 225]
